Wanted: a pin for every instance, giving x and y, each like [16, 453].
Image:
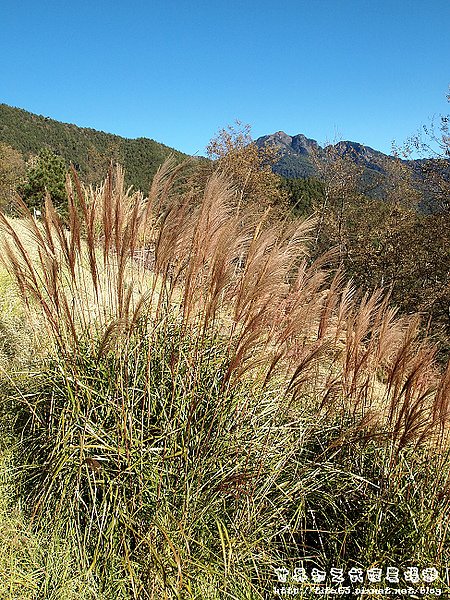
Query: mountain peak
[296, 154]
[280, 138]
[298, 144]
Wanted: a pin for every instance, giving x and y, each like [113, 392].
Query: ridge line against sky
[176, 72]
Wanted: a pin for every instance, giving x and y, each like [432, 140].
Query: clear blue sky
[178, 70]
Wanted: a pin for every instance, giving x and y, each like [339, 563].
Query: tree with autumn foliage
[432, 145]
[340, 177]
[248, 166]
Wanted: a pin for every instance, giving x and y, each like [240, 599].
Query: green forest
[90, 151]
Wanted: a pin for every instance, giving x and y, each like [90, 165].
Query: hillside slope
[89, 150]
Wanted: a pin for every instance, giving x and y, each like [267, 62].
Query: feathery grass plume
[81, 277]
[227, 406]
[213, 266]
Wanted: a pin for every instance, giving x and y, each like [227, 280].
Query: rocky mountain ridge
[298, 152]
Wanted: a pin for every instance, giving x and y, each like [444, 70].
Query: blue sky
[177, 71]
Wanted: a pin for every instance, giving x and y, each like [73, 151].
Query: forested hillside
[89, 150]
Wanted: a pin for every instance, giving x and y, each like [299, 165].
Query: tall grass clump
[212, 406]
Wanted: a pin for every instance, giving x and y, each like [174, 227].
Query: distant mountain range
[297, 151]
[299, 157]
[91, 151]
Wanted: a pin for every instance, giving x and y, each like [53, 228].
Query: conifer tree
[46, 174]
